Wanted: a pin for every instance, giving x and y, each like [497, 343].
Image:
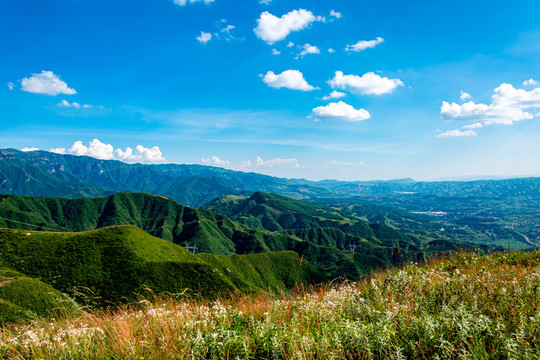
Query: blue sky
[421, 89]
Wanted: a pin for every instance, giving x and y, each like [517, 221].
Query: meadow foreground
[466, 306]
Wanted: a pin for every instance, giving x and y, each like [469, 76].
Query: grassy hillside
[327, 248]
[463, 307]
[24, 298]
[157, 215]
[116, 262]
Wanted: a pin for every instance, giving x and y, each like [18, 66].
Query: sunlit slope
[23, 297]
[116, 262]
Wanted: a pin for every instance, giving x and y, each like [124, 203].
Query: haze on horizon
[297, 89]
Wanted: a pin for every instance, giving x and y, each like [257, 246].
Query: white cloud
[275, 52]
[464, 96]
[369, 83]
[472, 126]
[265, 2]
[334, 95]
[457, 133]
[102, 151]
[348, 164]
[271, 29]
[46, 83]
[257, 163]
[65, 103]
[275, 162]
[27, 149]
[76, 105]
[204, 37]
[530, 82]
[11, 86]
[364, 44]
[330, 50]
[184, 2]
[309, 49]
[215, 161]
[336, 14]
[290, 44]
[225, 33]
[290, 79]
[507, 106]
[339, 111]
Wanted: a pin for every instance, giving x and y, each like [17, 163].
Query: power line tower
[192, 248]
[352, 247]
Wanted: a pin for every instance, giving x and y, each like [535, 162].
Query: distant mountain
[41, 173]
[277, 213]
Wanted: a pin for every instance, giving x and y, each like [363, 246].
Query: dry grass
[466, 306]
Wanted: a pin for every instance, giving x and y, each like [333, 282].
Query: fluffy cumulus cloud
[364, 44]
[27, 149]
[530, 82]
[457, 133]
[275, 52]
[99, 150]
[46, 83]
[508, 105]
[290, 79]
[215, 161]
[367, 84]
[184, 2]
[464, 96]
[334, 95]
[309, 49]
[339, 111]
[204, 37]
[271, 28]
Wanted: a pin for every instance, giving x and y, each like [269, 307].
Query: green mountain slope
[157, 215]
[327, 248]
[116, 262]
[277, 213]
[23, 297]
[335, 242]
